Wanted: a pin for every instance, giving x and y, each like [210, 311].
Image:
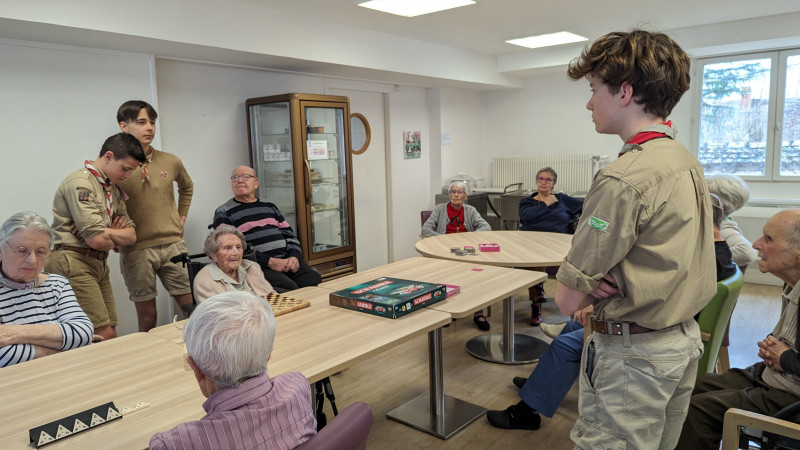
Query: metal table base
[507, 348]
[435, 413]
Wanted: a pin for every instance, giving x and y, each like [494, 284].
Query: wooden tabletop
[517, 248]
[321, 340]
[481, 285]
[126, 370]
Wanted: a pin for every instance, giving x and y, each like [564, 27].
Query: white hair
[731, 189]
[461, 185]
[230, 337]
[26, 220]
[211, 245]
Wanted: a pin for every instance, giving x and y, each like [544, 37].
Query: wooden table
[321, 340]
[126, 370]
[517, 249]
[434, 412]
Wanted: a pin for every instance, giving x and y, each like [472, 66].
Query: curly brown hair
[652, 63]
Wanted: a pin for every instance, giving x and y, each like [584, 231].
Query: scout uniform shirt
[81, 199]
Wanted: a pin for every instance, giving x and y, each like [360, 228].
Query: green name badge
[598, 224]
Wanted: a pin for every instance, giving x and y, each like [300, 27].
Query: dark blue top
[537, 216]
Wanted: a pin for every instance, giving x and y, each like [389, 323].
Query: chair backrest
[714, 319]
[424, 215]
[348, 430]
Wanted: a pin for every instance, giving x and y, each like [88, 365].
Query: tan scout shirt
[80, 199]
[647, 221]
[786, 331]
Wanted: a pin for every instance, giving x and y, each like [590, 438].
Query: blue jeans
[557, 370]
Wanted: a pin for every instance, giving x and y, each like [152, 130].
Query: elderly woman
[457, 217]
[734, 193]
[545, 211]
[228, 272]
[38, 311]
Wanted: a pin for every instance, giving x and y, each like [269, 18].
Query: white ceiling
[462, 47]
[484, 27]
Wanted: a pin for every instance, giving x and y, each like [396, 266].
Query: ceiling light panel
[548, 40]
[411, 8]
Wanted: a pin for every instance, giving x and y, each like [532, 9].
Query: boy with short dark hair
[159, 222]
[643, 253]
[89, 219]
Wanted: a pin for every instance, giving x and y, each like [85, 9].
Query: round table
[516, 249]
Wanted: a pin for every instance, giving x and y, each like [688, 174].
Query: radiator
[575, 172]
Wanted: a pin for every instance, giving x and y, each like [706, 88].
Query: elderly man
[229, 339]
[277, 249]
[774, 383]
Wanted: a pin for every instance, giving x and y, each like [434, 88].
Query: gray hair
[548, 170]
[230, 337]
[731, 189]
[26, 220]
[792, 235]
[461, 185]
[717, 208]
[211, 246]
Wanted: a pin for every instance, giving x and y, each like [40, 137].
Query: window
[750, 115]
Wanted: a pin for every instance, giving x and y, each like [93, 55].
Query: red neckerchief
[106, 187]
[455, 224]
[644, 136]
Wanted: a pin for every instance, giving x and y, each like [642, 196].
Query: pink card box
[489, 247]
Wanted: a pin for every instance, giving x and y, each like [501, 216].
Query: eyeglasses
[544, 180]
[241, 177]
[456, 192]
[24, 252]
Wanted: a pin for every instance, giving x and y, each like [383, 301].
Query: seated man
[767, 386]
[229, 339]
[277, 249]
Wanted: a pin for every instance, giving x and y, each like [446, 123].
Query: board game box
[389, 297]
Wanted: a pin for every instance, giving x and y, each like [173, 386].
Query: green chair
[714, 319]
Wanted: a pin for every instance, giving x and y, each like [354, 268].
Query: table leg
[507, 348]
[434, 412]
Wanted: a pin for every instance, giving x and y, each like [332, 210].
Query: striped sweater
[263, 227]
[52, 302]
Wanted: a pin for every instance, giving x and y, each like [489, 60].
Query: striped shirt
[52, 302]
[263, 227]
[262, 413]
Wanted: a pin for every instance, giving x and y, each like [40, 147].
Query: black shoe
[481, 322]
[519, 381]
[515, 417]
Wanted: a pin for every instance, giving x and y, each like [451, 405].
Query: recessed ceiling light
[547, 40]
[411, 8]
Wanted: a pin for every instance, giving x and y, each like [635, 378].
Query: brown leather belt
[90, 252]
[611, 328]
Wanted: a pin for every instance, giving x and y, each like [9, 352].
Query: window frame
[775, 109]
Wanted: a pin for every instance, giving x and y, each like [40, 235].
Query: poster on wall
[413, 144]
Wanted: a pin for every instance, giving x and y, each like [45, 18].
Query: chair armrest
[735, 418]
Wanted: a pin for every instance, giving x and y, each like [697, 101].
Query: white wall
[462, 116]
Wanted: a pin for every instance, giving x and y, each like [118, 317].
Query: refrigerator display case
[300, 150]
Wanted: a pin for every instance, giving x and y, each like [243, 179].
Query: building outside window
[750, 115]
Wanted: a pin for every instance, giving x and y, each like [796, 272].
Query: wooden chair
[741, 427]
[714, 319]
[348, 430]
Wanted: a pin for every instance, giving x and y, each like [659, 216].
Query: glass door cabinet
[300, 149]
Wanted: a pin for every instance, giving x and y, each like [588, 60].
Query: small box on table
[389, 297]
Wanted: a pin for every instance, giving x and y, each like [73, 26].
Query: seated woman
[734, 193]
[457, 217]
[38, 311]
[545, 211]
[228, 271]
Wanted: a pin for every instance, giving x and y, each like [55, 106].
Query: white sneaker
[552, 329]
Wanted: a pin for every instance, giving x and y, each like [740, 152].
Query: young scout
[643, 252]
[159, 222]
[90, 219]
